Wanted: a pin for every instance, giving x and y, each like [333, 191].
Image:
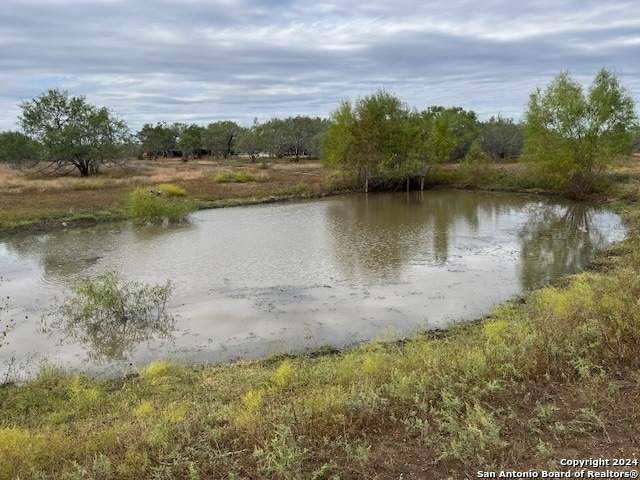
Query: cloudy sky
[200, 61]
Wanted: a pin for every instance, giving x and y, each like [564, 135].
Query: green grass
[239, 177]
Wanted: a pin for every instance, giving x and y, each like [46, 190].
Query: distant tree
[73, 132]
[373, 136]
[572, 136]
[272, 137]
[189, 140]
[248, 140]
[157, 140]
[299, 134]
[501, 138]
[16, 147]
[219, 137]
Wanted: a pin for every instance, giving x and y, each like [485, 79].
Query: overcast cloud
[200, 61]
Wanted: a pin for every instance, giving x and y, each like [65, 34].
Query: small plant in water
[110, 316]
[150, 205]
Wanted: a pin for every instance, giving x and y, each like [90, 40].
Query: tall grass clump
[171, 190]
[238, 177]
[148, 205]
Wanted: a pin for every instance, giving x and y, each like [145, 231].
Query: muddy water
[258, 280]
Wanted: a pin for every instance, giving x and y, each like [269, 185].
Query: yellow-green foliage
[284, 375]
[20, 449]
[175, 412]
[155, 370]
[171, 190]
[144, 410]
[239, 177]
[84, 396]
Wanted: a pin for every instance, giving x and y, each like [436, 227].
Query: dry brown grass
[29, 199]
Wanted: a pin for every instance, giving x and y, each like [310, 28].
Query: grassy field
[555, 375]
[34, 202]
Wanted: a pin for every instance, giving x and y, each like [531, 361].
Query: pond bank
[554, 376]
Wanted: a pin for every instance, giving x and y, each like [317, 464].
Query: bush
[240, 177]
[171, 190]
[148, 205]
[110, 316]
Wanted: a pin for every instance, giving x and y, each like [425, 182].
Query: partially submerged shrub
[110, 316]
[149, 205]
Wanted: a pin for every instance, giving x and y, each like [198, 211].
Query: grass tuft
[146, 205]
[238, 177]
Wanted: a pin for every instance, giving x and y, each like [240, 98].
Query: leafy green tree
[16, 147]
[72, 132]
[248, 140]
[219, 137]
[501, 138]
[189, 140]
[300, 133]
[157, 140]
[272, 137]
[449, 133]
[373, 136]
[573, 135]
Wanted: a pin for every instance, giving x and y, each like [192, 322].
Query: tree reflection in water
[557, 240]
[109, 316]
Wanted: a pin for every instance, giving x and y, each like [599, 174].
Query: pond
[280, 278]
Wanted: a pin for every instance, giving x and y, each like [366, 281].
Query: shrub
[150, 206]
[111, 315]
[171, 190]
[239, 177]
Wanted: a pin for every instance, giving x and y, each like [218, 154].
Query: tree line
[570, 133]
[66, 131]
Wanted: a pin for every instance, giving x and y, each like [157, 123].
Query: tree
[16, 147]
[501, 138]
[73, 132]
[219, 137]
[157, 140]
[248, 140]
[189, 140]
[374, 136]
[572, 136]
[272, 137]
[299, 134]
[450, 132]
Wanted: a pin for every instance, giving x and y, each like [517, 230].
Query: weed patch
[148, 205]
[238, 177]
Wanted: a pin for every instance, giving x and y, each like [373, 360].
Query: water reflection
[104, 343]
[67, 253]
[556, 240]
[109, 317]
[375, 238]
[339, 269]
